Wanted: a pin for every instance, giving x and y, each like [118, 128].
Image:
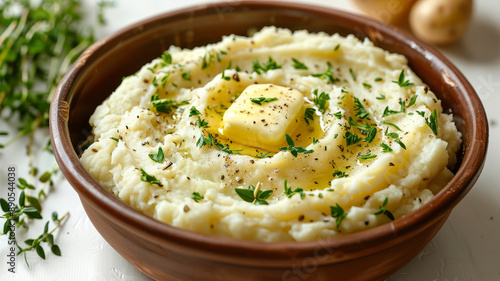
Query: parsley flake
[197, 197]
[166, 58]
[157, 157]
[145, 177]
[298, 65]
[186, 75]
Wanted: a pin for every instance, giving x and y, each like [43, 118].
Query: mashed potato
[276, 137]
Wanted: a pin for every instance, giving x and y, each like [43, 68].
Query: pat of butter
[263, 125]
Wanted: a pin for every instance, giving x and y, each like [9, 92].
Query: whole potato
[389, 11]
[441, 21]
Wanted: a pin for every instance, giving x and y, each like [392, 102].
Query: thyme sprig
[401, 81]
[254, 195]
[289, 192]
[384, 211]
[294, 150]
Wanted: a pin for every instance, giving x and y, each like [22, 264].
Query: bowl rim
[89, 189]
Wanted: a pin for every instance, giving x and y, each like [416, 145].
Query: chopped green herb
[202, 141]
[421, 113]
[365, 129]
[115, 139]
[254, 195]
[271, 64]
[360, 109]
[166, 57]
[336, 47]
[202, 123]
[223, 76]
[413, 99]
[294, 150]
[371, 135]
[340, 174]
[338, 115]
[309, 114]
[315, 140]
[401, 81]
[260, 100]
[145, 177]
[367, 86]
[400, 143]
[385, 147]
[197, 197]
[392, 124]
[352, 74]
[392, 135]
[157, 157]
[327, 76]
[388, 112]
[263, 155]
[432, 122]
[338, 213]
[298, 65]
[320, 100]
[210, 140]
[187, 75]
[381, 97]
[208, 59]
[366, 156]
[221, 55]
[289, 192]
[193, 111]
[351, 138]
[384, 211]
[166, 105]
[378, 79]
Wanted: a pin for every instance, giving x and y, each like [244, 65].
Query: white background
[466, 248]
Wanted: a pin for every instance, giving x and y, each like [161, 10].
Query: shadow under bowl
[164, 252]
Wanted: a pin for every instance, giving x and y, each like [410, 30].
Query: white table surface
[466, 248]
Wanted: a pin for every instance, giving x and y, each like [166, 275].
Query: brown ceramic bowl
[164, 252]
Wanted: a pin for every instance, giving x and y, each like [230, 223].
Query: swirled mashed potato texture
[281, 136]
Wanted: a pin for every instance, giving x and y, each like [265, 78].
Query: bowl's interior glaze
[100, 70]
